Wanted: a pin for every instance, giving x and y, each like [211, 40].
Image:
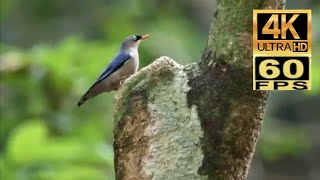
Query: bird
[124, 64]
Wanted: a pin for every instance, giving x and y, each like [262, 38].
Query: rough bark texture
[199, 121]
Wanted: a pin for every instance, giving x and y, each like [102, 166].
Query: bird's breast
[129, 67]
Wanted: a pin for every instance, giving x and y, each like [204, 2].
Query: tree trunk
[199, 121]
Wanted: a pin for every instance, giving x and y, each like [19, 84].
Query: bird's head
[133, 41]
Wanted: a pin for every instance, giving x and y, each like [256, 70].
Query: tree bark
[199, 121]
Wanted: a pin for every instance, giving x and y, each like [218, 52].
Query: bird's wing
[117, 62]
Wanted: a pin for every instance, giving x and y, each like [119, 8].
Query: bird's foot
[123, 79]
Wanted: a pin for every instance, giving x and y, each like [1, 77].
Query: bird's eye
[134, 38]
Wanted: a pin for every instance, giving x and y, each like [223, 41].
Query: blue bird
[121, 67]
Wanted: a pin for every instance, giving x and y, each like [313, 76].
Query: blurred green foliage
[43, 135]
[278, 141]
[315, 69]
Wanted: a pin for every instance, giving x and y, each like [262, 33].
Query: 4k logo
[281, 49]
[283, 26]
[281, 31]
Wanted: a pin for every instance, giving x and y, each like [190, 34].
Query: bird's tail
[93, 91]
[82, 100]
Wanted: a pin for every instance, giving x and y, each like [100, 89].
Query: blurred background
[51, 52]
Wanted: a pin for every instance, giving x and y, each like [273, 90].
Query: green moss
[233, 20]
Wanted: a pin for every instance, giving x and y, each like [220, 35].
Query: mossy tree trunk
[199, 121]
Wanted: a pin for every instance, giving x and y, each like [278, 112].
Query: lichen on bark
[166, 135]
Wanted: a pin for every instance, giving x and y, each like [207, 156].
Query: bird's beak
[144, 37]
